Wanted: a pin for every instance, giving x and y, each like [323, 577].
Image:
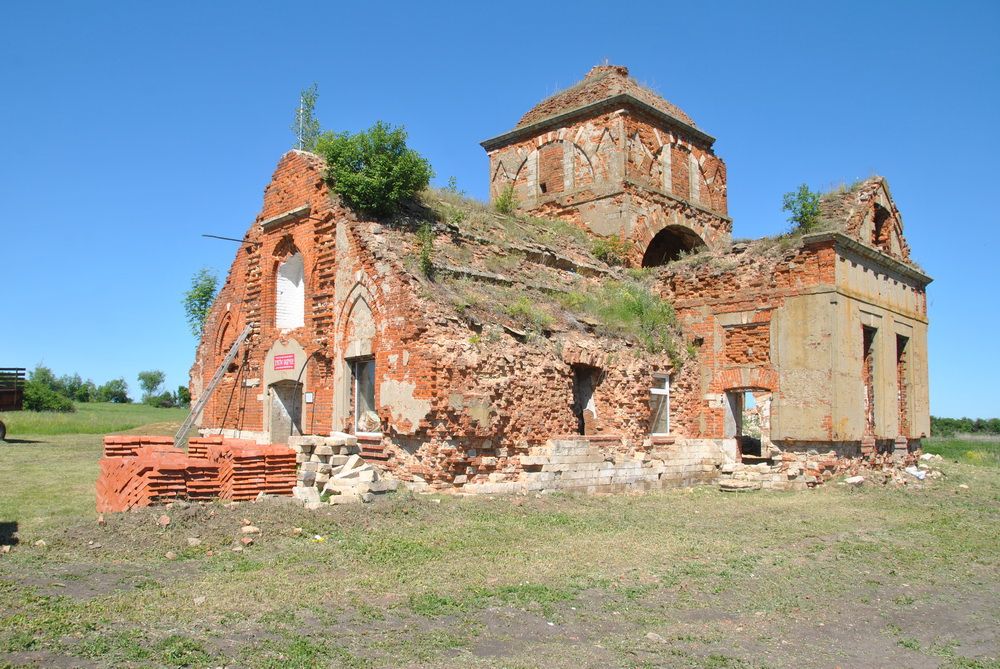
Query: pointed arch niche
[290, 287]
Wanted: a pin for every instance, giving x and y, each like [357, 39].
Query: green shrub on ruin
[425, 235]
[528, 313]
[506, 201]
[612, 250]
[373, 172]
[802, 206]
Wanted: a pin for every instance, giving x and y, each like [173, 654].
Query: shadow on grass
[8, 533]
[23, 441]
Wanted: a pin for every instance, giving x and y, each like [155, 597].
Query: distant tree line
[151, 381]
[947, 427]
[44, 391]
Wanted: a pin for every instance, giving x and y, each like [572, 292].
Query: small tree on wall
[374, 171]
[802, 206]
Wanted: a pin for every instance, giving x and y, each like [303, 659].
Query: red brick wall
[550, 168]
[249, 294]
[748, 344]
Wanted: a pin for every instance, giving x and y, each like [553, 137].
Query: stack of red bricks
[142, 471]
[247, 468]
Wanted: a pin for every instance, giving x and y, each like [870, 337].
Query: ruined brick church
[790, 359]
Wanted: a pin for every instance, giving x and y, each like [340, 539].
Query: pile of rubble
[801, 470]
[139, 471]
[332, 471]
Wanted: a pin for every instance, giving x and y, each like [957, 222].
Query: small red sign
[285, 361]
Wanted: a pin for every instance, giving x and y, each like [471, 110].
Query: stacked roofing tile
[247, 468]
[142, 471]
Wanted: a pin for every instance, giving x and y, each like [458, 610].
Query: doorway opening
[366, 418]
[286, 411]
[748, 420]
[868, 376]
[902, 385]
[585, 382]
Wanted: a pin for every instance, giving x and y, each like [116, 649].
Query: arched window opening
[669, 244]
[291, 294]
[879, 236]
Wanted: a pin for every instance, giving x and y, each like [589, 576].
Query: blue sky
[129, 129]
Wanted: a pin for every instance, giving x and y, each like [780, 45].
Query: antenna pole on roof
[301, 114]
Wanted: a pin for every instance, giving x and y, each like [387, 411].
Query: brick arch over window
[556, 166]
[669, 244]
[639, 155]
[500, 175]
[713, 180]
[583, 168]
[225, 336]
[360, 323]
[604, 156]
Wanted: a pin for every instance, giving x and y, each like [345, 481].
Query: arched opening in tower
[671, 243]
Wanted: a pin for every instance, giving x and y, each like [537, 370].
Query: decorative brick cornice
[622, 100]
[842, 241]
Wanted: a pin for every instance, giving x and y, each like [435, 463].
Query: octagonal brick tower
[613, 157]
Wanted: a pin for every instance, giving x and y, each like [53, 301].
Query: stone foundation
[579, 464]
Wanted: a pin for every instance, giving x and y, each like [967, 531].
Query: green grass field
[89, 418]
[971, 450]
[838, 576]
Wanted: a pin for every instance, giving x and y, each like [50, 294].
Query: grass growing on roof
[473, 216]
[629, 308]
[529, 314]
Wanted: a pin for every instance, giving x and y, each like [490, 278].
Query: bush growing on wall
[612, 250]
[802, 206]
[374, 171]
[506, 202]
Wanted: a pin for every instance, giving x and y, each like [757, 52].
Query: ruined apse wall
[461, 408]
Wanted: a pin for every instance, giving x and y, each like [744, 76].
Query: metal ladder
[207, 393]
